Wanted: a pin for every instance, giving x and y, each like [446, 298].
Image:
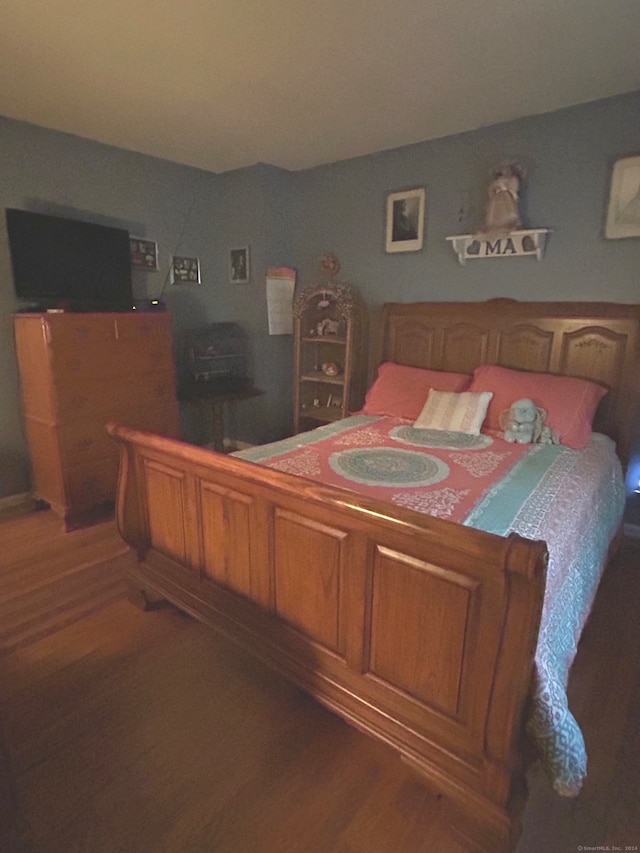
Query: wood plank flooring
[49, 579]
[135, 732]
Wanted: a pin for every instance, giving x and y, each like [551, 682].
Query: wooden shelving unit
[330, 358]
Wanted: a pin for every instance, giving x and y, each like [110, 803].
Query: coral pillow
[570, 403]
[463, 412]
[401, 391]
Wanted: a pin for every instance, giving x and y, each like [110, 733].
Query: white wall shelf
[515, 244]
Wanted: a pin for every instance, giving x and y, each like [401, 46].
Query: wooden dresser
[77, 371]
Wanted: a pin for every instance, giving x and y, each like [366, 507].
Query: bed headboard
[592, 340]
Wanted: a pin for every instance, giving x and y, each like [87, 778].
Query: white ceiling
[221, 84]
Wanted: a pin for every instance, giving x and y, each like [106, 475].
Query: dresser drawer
[78, 331]
[84, 441]
[92, 484]
[108, 345]
[164, 420]
[87, 439]
[83, 397]
[110, 360]
[143, 329]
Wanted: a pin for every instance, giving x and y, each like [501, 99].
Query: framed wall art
[239, 265]
[185, 270]
[623, 212]
[405, 221]
[143, 254]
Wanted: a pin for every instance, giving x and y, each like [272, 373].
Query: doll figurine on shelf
[330, 265]
[503, 213]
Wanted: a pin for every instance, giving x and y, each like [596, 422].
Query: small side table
[216, 394]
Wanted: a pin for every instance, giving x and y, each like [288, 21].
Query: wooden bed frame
[416, 630]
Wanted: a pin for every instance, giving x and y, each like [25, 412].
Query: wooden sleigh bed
[419, 631]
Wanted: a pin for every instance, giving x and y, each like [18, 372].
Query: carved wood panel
[525, 347]
[226, 537]
[308, 593]
[594, 353]
[464, 346]
[166, 501]
[419, 606]
[411, 343]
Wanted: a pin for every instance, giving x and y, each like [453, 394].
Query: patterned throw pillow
[445, 410]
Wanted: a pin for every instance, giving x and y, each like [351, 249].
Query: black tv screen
[67, 263]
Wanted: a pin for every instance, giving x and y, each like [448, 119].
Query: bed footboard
[417, 631]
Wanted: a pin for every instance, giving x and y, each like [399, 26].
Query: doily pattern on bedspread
[435, 472]
[439, 438]
[387, 466]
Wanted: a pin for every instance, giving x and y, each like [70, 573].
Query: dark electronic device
[67, 263]
[218, 356]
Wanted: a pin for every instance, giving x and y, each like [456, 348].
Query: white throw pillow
[462, 412]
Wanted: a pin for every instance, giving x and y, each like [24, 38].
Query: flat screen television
[67, 263]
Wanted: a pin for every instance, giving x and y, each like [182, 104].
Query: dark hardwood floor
[135, 732]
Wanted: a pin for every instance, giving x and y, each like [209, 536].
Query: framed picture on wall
[405, 221]
[623, 213]
[143, 254]
[239, 265]
[185, 270]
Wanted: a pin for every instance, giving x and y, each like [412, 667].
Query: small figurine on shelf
[503, 213]
[327, 327]
[330, 265]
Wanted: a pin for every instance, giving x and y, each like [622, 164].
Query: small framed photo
[143, 254]
[239, 265]
[185, 270]
[405, 220]
[623, 213]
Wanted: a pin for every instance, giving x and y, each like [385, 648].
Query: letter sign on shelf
[515, 244]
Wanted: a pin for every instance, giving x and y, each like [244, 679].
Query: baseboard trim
[632, 530]
[239, 445]
[230, 446]
[15, 500]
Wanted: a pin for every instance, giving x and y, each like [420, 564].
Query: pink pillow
[402, 391]
[570, 403]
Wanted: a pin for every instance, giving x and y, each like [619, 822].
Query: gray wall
[568, 155]
[292, 218]
[187, 211]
